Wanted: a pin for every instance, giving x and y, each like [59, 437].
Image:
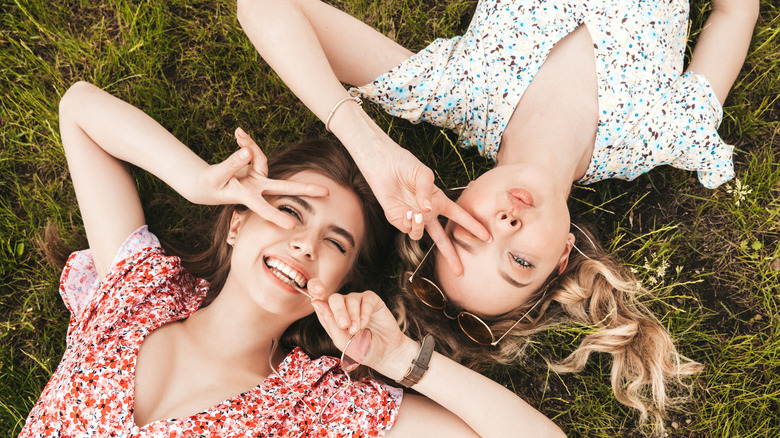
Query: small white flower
[739, 191]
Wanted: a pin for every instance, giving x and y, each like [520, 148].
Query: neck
[234, 330]
[556, 150]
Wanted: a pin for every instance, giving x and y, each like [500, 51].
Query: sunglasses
[354, 353]
[472, 325]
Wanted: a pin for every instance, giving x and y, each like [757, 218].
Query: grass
[712, 263]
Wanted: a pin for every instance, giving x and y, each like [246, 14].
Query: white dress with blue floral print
[650, 113]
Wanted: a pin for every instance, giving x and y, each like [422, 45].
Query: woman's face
[529, 222]
[267, 259]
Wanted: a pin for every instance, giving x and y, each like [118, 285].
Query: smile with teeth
[286, 273]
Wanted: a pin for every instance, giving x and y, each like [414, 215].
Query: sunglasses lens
[428, 293]
[475, 328]
[356, 350]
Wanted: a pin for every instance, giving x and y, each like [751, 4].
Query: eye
[338, 245]
[521, 261]
[291, 211]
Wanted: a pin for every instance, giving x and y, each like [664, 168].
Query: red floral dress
[92, 390]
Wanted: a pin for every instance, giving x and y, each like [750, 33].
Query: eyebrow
[311, 210]
[466, 247]
[511, 280]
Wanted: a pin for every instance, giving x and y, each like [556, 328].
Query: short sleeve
[681, 130]
[79, 281]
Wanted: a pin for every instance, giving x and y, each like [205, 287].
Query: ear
[236, 222]
[564, 260]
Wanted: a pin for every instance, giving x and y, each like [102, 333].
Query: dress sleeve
[79, 282]
[681, 130]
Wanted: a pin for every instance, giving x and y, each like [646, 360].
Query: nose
[303, 244]
[507, 222]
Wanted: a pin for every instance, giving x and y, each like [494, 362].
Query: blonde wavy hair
[595, 291]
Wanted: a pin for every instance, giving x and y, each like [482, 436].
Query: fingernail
[243, 154]
[317, 288]
[409, 215]
[418, 218]
[240, 132]
[343, 322]
[427, 205]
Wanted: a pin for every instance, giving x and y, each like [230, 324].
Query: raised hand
[243, 179]
[412, 202]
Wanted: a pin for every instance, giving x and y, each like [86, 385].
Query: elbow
[247, 10]
[746, 11]
[73, 98]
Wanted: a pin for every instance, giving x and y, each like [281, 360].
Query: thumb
[222, 172]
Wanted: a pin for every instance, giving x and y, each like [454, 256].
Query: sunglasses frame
[463, 314]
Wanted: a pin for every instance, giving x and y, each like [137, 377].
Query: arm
[475, 406]
[100, 133]
[723, 43]
[313, 46]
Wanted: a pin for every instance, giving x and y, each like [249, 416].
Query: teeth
[286, 273]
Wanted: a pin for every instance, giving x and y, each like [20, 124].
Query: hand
[342, 316]
[412, 202]
[243, 179]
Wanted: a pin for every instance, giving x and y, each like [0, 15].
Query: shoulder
[140, 272]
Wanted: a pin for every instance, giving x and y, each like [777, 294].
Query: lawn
[710, 258]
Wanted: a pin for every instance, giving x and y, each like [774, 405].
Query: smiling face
[529, 222]
[268, 260]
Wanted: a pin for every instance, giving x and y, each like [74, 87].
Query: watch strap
[420, 363]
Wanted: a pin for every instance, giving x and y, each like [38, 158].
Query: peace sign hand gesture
[243, 179]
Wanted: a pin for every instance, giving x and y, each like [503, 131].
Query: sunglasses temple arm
[494, 343]
[421, 262]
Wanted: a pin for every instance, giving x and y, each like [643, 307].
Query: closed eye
[338, 245]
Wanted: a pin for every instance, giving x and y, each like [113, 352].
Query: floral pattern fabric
[92, 390]
[650, 114]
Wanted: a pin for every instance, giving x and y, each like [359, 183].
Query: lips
[286, 273]
[520, 198]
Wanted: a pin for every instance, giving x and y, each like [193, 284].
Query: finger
[367, 309]
[222, 172]
[259, 160]
[456, 213]
[282, 187]
[354, 302]
[267, 211]
[418, 227]
[422, 193]
[445, 247]
[406, 222]
[338, 306]
[316, 289]
[325, 316]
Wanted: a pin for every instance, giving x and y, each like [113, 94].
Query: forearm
[128, 134]
[490, 409]
[314, 47]
[723, 43]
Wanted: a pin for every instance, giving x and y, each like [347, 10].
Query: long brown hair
[595, 291]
